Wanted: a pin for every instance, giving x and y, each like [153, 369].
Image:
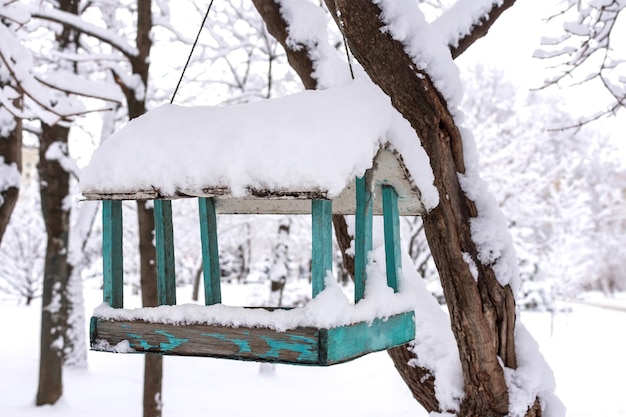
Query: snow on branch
[74, 84]
[14, 12]
[307, 27]
[71, 20]
[18, 62]
[406, 23]
[587, 50]
[467, 21]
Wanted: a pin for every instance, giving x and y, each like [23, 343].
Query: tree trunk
[482, 311]
[153, 365]
[54, 187]
[10, 153]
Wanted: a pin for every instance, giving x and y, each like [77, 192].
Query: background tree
[22, 254]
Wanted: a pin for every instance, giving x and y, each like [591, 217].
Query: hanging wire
[191, 52]
[345, 41]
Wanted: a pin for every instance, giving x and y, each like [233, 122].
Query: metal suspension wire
[345, 41]
[191, 52]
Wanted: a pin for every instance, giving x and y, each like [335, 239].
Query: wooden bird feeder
[385, 188]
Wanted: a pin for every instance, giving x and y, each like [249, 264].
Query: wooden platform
[300, 346]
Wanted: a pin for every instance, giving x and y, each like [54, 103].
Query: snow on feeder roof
[307, 145]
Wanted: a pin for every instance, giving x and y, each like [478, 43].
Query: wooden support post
[112, 256]
[362, 235]
[164, 237]
[322, 254]
[210, 251]
[391, 220]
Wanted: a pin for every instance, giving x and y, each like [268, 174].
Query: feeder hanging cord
[191, 52]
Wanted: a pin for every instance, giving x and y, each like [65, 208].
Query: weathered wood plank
[322, 245]
[259, 344]
[164, 239]
[362, 235]
[210, 251]
[342, 344]
[300, 346]
[112, 256]
[391, 222]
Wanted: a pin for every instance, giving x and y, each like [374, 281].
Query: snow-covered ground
[585, 348]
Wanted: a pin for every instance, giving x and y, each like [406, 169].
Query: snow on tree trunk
[10, 163]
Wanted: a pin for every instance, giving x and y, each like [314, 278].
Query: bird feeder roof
[265, 157]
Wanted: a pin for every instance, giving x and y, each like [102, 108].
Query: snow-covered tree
[411, 61]
[22, 254]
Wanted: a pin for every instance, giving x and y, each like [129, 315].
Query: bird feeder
[283, 156]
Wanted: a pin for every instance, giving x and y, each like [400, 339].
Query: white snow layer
[313, 140]
[532, 379]
[428, 50]
[330, 308]
[308, 27]
[9, 177]
[457, 22]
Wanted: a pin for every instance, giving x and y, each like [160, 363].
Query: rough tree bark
[483, 313]
[54, 182]
[54, 187]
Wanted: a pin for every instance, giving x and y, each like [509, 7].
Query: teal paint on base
[322, 246]
[112, 255]
[242, 344]
[139, 341]
[172, 341]
[306, 347]
[362, 235]
[349, 342]
[164, 237]
[210, 251]
[391, 221]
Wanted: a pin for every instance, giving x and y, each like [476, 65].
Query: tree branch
[76, 23]
[480, 28]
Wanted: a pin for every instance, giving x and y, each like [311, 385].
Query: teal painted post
[112, 256]
[362, 236]
[322, 251]
[210, 251]
[164, 237]
[391, 220]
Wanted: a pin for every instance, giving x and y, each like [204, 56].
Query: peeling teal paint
[306, 346]
[242, 344]
[140, 341]
[172, 341]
